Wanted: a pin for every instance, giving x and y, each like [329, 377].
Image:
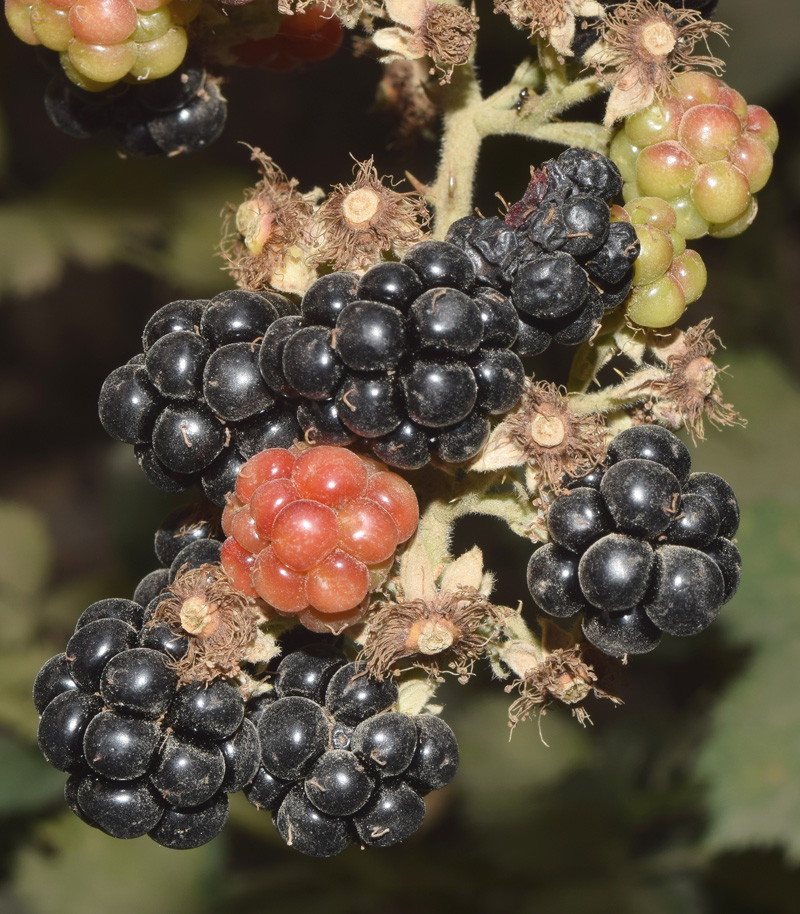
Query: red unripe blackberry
[312, 530]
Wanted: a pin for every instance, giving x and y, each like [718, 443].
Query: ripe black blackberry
[144, 755]
[180, 113]
[407, 357]
[557, 254]
[338, 764]
[194, 403]
[640, 546]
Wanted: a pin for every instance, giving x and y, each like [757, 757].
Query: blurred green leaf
[18, 669]
[150, 220]
[498, 776]
[74, 869]
[756, 460]
[189, 259]
[26, 782]
[25, 549]
[25, 560]
[751, 760]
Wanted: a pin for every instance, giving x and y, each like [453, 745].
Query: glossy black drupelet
[410, 357]
[557, 253]
[640, 546]
[196, 404]
[338, 763]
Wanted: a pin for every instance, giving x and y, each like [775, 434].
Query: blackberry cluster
[641, 546]
[338, 765]
[409, 356]
[194, 402]
[557, 253]
[183, 112]
[144, 756]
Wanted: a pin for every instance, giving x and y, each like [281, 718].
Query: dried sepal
[560, 674]
[272, 225]
[563, 676]
[546, 435]
[689, 393]
[359, 222]
[435, 627]
[447, 634]
[552, 20]
[219, 623]
[642, 45]
[444, 32]
[350, 12]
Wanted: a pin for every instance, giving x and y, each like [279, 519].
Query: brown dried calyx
[553, 20]
[439, 628]
[447, 34]
[218, 622]
[561, 675]
[690, 393]
[445, 634]
[404, 94]
[642, 45]
[359, 222]
[554, 440]
[259, 234]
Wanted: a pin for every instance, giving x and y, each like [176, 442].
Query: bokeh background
[686, 799]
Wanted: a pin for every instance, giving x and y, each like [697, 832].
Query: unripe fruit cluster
[338, 763]
[666, 276]
[312, 533]
[704, 150]
[103, 41]
[640, 547]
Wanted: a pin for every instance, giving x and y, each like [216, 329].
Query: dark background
[686, 799]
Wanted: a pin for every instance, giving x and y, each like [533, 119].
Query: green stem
[451, 193]
[469, 119]
[594, 354]
[634, 389]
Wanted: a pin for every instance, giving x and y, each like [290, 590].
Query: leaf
[73, 869]
[751, 759]
[26, 784]
[25, 549]
[497, 777]
[18, 669]
[25, 560]
[189, 260]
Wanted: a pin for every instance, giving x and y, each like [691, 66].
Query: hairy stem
[469, 118]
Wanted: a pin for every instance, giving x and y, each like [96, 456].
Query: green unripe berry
[735, 226]
[690, 273]
[665, 170]
[690, 223]
[658, 304]
[655, 257]
[720, 191]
